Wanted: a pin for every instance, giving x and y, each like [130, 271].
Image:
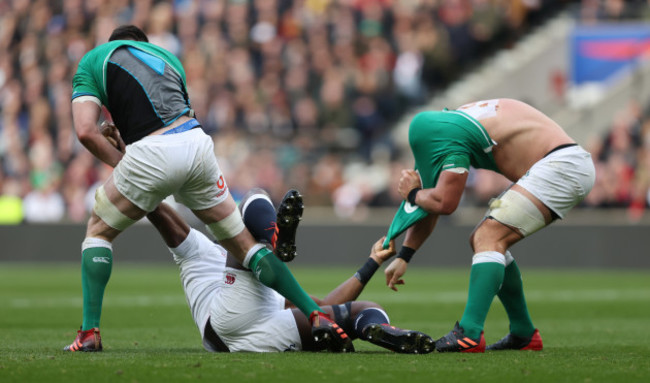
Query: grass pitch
[595, 326]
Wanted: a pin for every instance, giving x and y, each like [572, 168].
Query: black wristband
[366, 271]
[412, 194]
[406, 253]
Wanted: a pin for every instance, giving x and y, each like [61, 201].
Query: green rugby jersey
[442, 140]
[142, 85]
[448, 139]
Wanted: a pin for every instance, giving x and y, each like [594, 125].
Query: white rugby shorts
[561, 179]
[182, 164]
[244, 313]
[249, 316]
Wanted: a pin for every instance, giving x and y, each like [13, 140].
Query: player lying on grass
[551, 175]
[235, 312]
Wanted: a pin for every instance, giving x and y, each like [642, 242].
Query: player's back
[523, 136]
[141, 84]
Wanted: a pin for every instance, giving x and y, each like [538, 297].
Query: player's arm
[85, 115]
[414, 238]
[351, 288]
[440, 200]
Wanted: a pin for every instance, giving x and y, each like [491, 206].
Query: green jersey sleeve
[83, 82]
[456, 161]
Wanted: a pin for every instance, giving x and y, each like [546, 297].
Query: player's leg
[206, 193]
[225, 222]
[201, 263]
[523, 335]
[515, 214]
[260, 218]
[111, 214]
[369, 322]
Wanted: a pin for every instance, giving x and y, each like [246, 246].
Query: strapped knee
[109, 213]
[228, 227]
[514, 209]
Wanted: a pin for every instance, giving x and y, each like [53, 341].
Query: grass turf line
[594, 325]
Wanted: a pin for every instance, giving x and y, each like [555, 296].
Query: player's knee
[479, 237]
[108, 213]
[491, 235]
[97, 228]
[229, 227]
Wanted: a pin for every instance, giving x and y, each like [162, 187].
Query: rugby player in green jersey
[550, 174]
[167, 153]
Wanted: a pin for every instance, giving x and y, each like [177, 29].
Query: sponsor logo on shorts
[230, 278]
[101, 260]
[221, 184]
[408, 208]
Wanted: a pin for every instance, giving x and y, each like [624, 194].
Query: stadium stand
[295, 93]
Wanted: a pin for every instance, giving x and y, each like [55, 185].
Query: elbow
[84, 136]
[86, 133]
[448, 207]
[85, 139]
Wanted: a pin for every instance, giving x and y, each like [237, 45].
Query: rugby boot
[288, 218]
[326, 331]
[398, 340]
[456, 341]
[515, 342]
[87, 341]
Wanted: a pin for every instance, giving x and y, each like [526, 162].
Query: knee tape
[514, 209]
[228, 227]
[109, 213]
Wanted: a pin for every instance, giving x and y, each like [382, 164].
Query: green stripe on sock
[484, 281]
[512, 297]
[96, 266]
[275, 274]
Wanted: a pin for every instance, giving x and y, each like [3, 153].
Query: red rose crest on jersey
[221, 184]
[230, 278]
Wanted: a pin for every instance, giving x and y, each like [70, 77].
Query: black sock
[367, 317]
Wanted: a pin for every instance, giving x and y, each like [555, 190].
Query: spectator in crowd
[300, 90]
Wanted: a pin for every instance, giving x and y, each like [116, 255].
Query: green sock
[96, 266]
[275, 274]
[484, 281]
[512, 297]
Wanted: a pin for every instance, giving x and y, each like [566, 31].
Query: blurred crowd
[622, 158]
[296, 93]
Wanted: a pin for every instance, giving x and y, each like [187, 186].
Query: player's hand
[110, 132]
[379, 254]
[409, 180]
[394, 273]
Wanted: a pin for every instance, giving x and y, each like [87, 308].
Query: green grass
[595, 326]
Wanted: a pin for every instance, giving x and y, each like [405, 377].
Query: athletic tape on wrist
[366, 271]
[412, 194]
[406, 253]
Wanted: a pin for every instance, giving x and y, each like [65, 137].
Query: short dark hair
[128, 32]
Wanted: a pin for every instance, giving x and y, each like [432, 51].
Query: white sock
[189, 248]
[489, 256]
